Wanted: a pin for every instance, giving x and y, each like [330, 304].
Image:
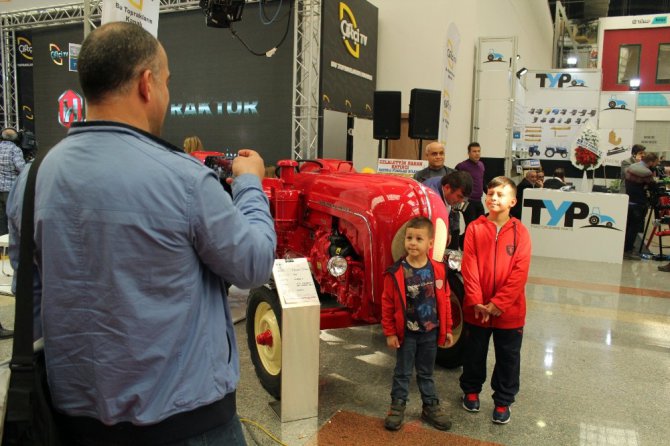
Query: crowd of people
[415, 317]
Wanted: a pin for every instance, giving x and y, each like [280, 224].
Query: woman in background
[193, 144]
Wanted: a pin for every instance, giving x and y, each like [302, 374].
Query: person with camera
[636, 154]
[139, 340]
[11, 165]
[639, 177]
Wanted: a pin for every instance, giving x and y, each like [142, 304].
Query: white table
[576, 225]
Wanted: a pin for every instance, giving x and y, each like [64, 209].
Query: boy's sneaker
[501, 415]
[471, 402]
[395, 416]
[434, 415]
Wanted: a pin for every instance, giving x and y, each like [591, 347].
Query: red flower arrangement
[586, 157]
[585, 154]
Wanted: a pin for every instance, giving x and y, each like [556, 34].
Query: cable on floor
[262, 428]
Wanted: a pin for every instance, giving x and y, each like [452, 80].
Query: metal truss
[9, 103]
[306, 61]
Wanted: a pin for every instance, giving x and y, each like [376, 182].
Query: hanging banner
[558, 104]
[140, 12]
[450, 59]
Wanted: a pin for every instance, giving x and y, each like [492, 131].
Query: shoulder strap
[22, 354]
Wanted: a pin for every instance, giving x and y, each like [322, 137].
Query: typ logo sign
[70, 108]
[570, 213]
[559, 80]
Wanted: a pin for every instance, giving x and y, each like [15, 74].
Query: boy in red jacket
[496, 259]
[416, 317]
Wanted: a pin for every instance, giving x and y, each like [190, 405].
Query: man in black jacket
[529, 181]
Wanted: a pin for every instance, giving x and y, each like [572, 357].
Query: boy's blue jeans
[417, 349]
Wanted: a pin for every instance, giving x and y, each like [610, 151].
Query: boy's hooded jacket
[394, 301]
[495, 269]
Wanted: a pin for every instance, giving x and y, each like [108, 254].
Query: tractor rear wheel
[264, 337]
[452, 357]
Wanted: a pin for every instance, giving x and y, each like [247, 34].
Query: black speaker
[386, 115]
[424, 114]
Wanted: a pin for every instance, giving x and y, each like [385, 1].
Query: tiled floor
[595, 366]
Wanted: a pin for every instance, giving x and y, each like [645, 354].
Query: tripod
[661, 216]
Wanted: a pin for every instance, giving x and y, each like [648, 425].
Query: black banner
[219, 91]
[349, 56]
[24, 76]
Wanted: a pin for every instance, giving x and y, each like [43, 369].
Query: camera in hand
[221, 164]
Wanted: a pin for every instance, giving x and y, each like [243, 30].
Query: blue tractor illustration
[549, 152]
[577, 83]
[617, 103]
[493, 56]
[534, 150]
[596, 218]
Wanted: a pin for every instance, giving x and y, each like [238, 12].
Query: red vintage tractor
[350, 227]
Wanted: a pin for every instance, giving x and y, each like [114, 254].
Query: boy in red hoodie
[496, 259]
[416, 317]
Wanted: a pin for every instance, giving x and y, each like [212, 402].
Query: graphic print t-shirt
[421, 308]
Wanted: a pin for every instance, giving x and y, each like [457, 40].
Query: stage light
[521, 72]
[572, 61]
[634, 84]
[221, 13]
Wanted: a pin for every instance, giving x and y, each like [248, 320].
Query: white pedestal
[301, 312]
[575, 225]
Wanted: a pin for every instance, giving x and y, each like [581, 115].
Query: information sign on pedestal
[301, 311]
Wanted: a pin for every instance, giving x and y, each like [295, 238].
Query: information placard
[400, 167]
[293, 279]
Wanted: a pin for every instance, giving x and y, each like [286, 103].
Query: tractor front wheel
[264, 337]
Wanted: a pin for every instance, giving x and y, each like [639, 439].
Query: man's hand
[392, 341]
[449, 341]
[248, 161]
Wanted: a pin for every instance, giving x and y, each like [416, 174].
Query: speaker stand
[350, 138]
[382, 151]
[420, 150]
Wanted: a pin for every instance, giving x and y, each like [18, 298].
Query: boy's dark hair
[111, 56]
[421, 223]
[649, 157]
[473, 144]
[458, 180]
[637, 148]
[502, 181]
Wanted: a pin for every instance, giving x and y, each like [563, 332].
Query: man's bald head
[435, 155]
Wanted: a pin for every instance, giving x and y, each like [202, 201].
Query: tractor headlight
[337, 266]
[454, 260]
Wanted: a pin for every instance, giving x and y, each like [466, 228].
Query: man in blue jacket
[134, 241]
[453, 188]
